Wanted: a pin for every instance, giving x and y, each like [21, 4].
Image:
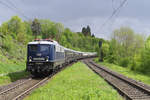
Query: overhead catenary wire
[115, 16]
[13, 8]
[8, 1]
[12, 4]
[113, 13]
[19, 10]
[113, 5]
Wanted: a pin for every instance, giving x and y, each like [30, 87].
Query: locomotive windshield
[44, 48]
[39, 48]
[33, 48]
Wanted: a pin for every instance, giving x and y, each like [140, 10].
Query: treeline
[15, 34]
[128, 49]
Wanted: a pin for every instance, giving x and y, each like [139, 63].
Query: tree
[59, 30]
[86, 31]
[36, 28]
[145, 58]
[47, 29]
[15, 25]
[1, 37]
[124, 46]
[28, 29]
[16, 28]
[93, 35]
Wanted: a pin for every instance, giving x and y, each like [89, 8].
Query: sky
[76, 14]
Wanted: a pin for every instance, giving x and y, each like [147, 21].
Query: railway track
[128, 88]
[21, 88]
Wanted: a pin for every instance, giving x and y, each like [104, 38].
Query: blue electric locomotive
[44, 56]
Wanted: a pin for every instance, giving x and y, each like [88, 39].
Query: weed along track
[129, 88]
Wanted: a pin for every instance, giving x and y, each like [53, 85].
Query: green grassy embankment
[127, 72]
[77, 82]
[8, 72]
[8, 67]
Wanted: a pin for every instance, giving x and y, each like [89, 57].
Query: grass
[77, 82]
[11, 74]
[4, 80]
[127, 72]
[8, 72]
[9, 67]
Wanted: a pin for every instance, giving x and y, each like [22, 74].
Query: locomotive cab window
[33, 47]
[44, 48]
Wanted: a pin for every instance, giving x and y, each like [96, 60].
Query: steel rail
[11, 88]
[130, 88]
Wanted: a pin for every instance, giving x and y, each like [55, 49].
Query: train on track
[46, 55]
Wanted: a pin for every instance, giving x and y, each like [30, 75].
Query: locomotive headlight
[30, 59]
[47, 58]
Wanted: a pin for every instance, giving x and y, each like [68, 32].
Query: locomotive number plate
[38, 59]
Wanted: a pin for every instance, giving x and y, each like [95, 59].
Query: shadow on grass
[18, 75]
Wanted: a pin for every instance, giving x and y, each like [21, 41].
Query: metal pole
[100, 52]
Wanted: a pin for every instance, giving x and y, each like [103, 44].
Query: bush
[7, 43]
[124, 62]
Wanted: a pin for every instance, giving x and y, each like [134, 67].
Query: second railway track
[129, 88]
